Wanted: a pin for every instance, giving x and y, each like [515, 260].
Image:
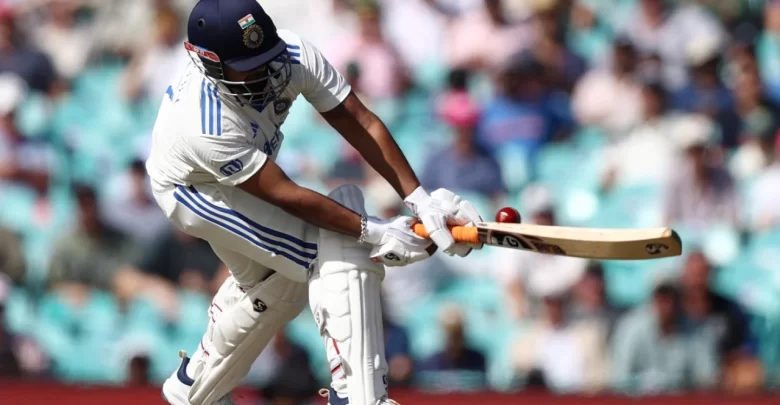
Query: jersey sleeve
[323, 86]
[229, 158]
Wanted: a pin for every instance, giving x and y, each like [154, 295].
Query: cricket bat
[590, 243]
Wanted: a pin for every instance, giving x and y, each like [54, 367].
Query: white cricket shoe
[176, 389]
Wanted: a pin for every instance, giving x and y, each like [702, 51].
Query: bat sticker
[656, 248]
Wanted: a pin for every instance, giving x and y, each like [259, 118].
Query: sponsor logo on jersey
[232, 167]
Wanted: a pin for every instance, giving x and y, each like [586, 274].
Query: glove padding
[466, 215]
[395, 243]
[440, 209]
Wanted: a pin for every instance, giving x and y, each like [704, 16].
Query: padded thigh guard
[345, 299]
[242, 323]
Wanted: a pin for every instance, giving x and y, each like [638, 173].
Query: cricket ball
[508, 215]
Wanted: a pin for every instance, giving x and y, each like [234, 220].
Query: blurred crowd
[599, 113]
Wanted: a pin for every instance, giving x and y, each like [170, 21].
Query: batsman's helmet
[238, 34]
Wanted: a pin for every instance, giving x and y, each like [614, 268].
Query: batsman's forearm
[386, 157]
[321, 211]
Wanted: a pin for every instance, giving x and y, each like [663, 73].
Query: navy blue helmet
[238, 35]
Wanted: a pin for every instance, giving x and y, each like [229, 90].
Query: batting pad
[241, 325]
[344, 294]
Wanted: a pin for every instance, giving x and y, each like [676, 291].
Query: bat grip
[462, 234]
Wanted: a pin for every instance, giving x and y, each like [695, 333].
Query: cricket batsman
[213, 174]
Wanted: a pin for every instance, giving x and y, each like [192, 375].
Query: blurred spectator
[9, 362]
[527, 276]
[458, 367]
[587, 36]
[382, 72]
[651, 353]
[561, 67]
[570, 356]
[521, 113]
[61, 36]
[178, 259]
[593, 100]
[12, 262]
[484, 39]
[768, 49]
[140, 366]
[721, 320]
[399, 360]
[31, 65]
[134, 211]
[155, 66]
[283, 374]
[759, 121]
[463, 165]
[701, 193]
[92, 253]
[658, 27]
[706, 93]
[648, 154]
[590, 301]
[765, 208]
[23, 160]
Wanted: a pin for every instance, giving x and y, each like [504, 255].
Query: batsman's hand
[395, 244]
[439, 209]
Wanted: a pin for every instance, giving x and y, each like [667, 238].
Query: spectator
[399, 360]
[526, 276]
[561, 67]
[587, 36]
[9, 361]
[706, 93]
[178, 259]
[765, 210]
[759, 121]
[570, 356]
[23, 161]
[31, 65]
[657, 27]
[722, 320]
[484, 39]
[648, 154]
[521, 113]
[651, 353]
[12, 262]
[92, 253]
[64, 40]
[701, 193]
[457, 367]
[593, 100]
[590, 301]
[768, 49]
[283, 373]
[134, 211]
[157, 65]
[463, 165]
[382, 73]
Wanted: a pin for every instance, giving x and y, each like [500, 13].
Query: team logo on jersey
[253, 36]
[282, 105]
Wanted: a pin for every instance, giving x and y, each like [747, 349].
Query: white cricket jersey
[203, 137]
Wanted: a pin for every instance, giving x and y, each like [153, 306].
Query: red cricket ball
[508, 215]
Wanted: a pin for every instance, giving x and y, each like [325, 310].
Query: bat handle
[462, 234]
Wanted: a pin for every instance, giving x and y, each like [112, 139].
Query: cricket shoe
[335, 399]
[176, 389]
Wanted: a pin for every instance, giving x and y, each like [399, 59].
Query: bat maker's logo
[656, 248]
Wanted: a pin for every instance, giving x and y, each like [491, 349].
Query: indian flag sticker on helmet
[247, 21]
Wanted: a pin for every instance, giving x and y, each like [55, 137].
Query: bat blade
[591, 243]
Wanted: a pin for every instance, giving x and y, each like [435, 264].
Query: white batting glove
[395, 244]
[438, 210]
